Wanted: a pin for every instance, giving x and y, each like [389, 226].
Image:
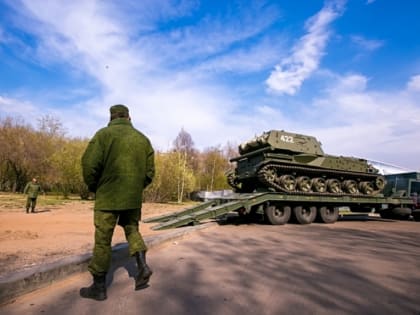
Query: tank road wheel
[380, 182]
[319, 185]
[287, 182]
[350, 186]
[327, 214]
[271, 175]
[366, 188]
[334, 186]
[278, 214]
[303, 183]
[304, 215]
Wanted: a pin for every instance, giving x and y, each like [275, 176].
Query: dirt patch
[55, 232]
[17, 235]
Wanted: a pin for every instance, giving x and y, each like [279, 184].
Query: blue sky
[346, 72]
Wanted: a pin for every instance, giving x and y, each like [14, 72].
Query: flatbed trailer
[279, 208]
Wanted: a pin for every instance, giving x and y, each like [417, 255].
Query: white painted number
[288, 139]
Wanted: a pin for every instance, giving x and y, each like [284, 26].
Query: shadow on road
[248, 268]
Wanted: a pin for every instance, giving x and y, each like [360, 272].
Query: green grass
[17, 200]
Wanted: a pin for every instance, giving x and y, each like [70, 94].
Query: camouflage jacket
[32, 189]
[117, 165]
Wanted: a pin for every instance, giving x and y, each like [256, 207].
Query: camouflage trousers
[30, 203]
[105, 222]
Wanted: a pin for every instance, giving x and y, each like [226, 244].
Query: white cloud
[414, 83]
[258, 57]
[79, 33]
[144, 70]
[351, 83]
[377, 125]
[367, 44]
[14, 107]
[211, 39]
[175, 80]
[290, 73]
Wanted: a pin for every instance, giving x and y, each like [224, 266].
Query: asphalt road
[350, 267]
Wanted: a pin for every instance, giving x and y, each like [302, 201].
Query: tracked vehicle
[283, 177]
[280, 161]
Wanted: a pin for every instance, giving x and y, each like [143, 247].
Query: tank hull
[277, 168]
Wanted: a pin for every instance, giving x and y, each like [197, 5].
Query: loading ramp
[206, 210]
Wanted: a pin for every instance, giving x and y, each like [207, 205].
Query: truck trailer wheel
[416, 215]
[397, 213]
[278, 215]
[327, 214]
[401, 213]
[304, 215]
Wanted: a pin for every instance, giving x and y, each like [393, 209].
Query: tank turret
[294, 163]
[283, 141]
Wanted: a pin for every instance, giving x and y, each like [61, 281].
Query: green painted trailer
[280, 208]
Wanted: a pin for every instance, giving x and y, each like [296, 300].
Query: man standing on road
[32, 189]
[117, 165]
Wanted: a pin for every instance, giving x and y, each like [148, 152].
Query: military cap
[119, 109]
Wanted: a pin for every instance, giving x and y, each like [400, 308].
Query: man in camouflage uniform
[117, 165]
[32, 189]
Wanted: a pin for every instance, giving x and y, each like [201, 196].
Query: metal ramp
[205, 210]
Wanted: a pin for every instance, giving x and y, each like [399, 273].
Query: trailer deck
[246, 203]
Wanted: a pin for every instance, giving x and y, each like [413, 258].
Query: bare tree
[51, 126]
[184, 147]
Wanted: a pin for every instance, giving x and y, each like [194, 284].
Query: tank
[287, 162]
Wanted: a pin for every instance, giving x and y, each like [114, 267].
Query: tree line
[45, 152]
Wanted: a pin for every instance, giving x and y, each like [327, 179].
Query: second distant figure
[32, 189]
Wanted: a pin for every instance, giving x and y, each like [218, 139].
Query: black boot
[145, 272]
[97, 291]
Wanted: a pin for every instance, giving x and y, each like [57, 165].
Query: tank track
[231, 179]
[269, 176]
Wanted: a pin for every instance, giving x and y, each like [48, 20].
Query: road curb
[41, 276]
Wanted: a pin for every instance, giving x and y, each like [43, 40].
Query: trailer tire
[416, 215]
[304, 215]
[327, 214]
[278, 215]
[396, 213]
[401, 213]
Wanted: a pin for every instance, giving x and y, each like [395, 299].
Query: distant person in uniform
[117, 165]
[32, 189]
